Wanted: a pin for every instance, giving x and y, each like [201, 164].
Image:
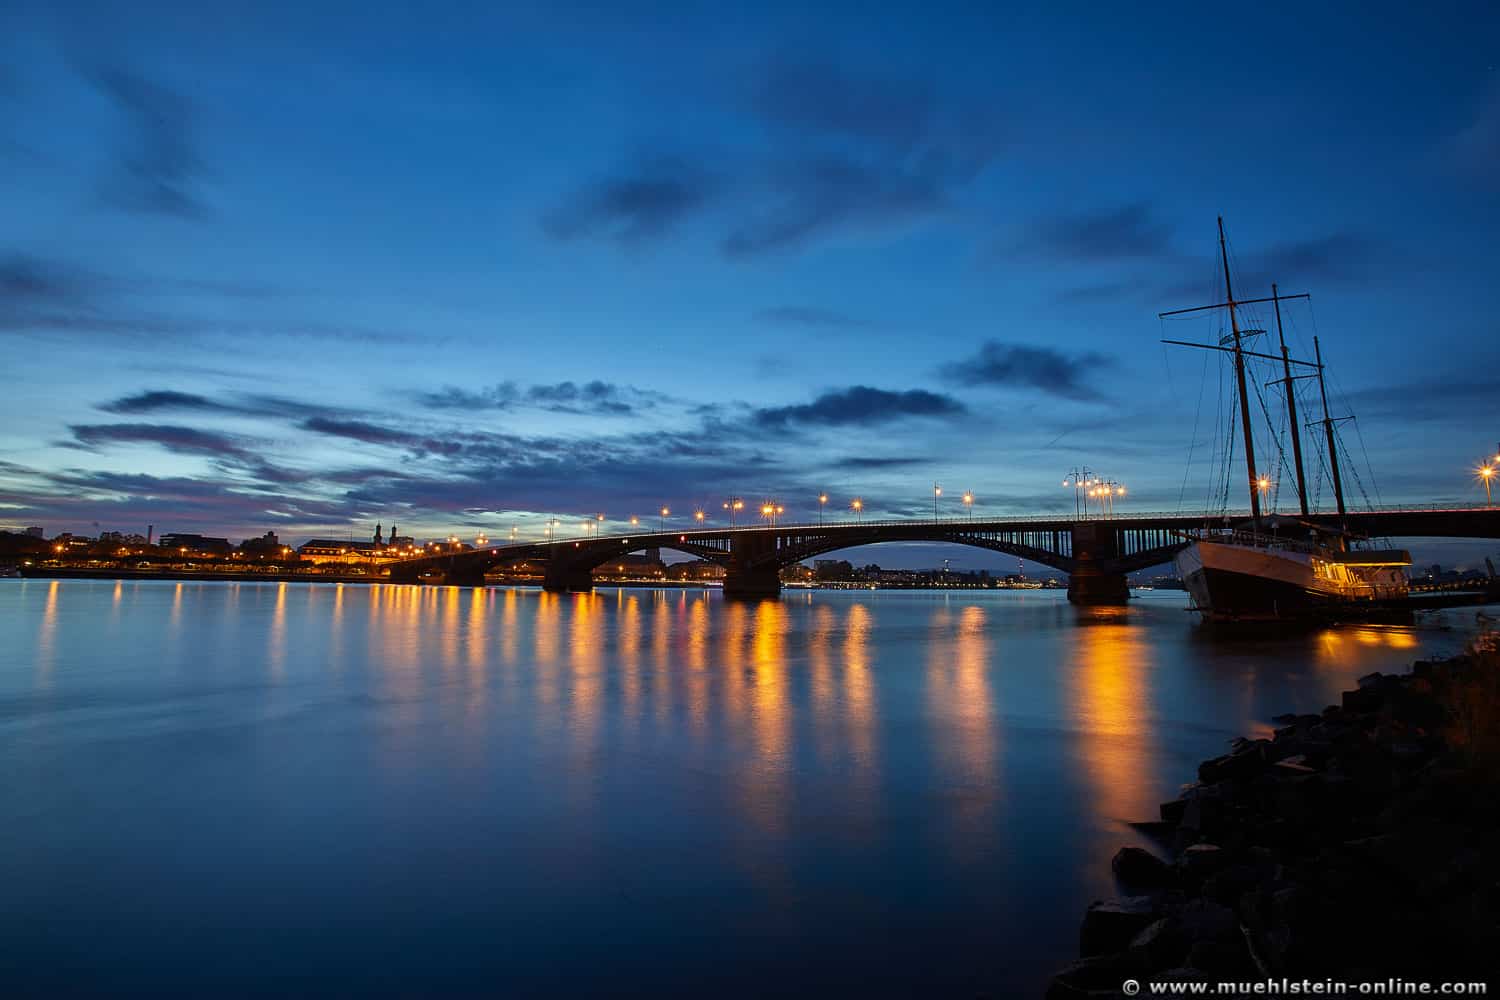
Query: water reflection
[964, 737]
[1111, 690]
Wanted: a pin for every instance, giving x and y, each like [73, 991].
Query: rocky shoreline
[1358, 845]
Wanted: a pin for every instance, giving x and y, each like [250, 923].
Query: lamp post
[512, 534]
[635, 522]
[969, 503]
[1081, 480]
[858, 506]
[734, 505]
[699, 515]
[1486, 473]
[664, 512]
[822, 502]
[937, 491]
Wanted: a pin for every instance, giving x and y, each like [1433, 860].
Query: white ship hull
[1232, 581]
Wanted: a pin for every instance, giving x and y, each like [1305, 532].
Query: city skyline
[274, 269]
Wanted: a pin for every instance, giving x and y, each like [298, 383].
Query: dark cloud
[159, 165]
[859, 404]
[810, 316]
[808, 199]
[637, 205]
[1474, 153]
[848, 152]
[241, 404]
[155, 401]
[595, 398]
[864, 462]
[183, 440]
[1129, 231]
[1295, 265]
[29, 282]
[369, 433]
[1029, 367]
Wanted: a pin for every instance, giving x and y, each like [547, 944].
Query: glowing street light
[1081, 481]
[699, 515]
[858, 506]
[734, 505]
[1486, 473]
[822, 502]
[665, 512]
[635, 522]
[937, 491]
[969, 503]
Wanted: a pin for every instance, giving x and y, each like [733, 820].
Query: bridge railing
[1005, 523]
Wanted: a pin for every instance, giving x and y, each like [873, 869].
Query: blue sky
[308, 267]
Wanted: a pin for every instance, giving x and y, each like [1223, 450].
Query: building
[264, 547]
[321, 550]
[196, 544]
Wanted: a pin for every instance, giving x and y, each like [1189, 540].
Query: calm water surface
[219, 789]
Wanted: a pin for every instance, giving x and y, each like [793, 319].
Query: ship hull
[1231, 582]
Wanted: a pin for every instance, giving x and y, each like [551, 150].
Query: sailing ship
[1280, 568]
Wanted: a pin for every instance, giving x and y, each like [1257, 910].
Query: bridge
[1095, 553]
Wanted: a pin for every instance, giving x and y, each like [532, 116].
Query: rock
[1200, 860]
[1098, 976]
[1205, 920]
[1139, 868]
[1171, 812]
[1220, 959]
[1110, 925]
[1159, 946]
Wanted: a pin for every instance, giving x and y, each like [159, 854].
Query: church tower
[379, 532]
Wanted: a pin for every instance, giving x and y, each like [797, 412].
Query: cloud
[1336, 258]
[183, 440]
[1126, 232]
[643, 203]
[1029, 367]
[160, 164]
[368, 433]
[810, 316]
[841, 152]
[1474, 152]
[859, 404]
[241, 404]
[594, 398]
[809, 199]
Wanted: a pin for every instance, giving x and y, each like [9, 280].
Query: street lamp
[664, 512]
[857, 505]
[937, 491]
[635, 522]
[822, 502]
[969, 502]
[734, 505]
[512, 534]
[1486, 473]
[699, 515]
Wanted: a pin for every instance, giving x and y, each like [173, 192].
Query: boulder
[1206, 920]
[1097, 976]
[1160, 945]
[1139, 868]
[1200, 860]
[1110, 925]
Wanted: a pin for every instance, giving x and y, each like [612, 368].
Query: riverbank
[1357, 845]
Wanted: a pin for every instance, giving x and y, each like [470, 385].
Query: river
[231, 788]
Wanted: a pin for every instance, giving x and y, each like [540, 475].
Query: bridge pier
[1091, 581]
[465, 575]
[752, 573]
[566, 578]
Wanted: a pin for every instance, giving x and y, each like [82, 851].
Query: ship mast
[1291, 403]
[1333, 451]
[1239, 375]
[1240, 354]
